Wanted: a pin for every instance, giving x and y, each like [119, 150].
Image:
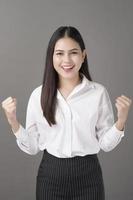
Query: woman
[70, 118]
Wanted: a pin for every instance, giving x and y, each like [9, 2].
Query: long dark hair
[50, 77]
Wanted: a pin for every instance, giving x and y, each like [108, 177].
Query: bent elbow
[106, 147]
[33, 151]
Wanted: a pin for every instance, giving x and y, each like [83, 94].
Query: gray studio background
[25, 29]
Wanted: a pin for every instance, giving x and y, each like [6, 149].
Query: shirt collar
[84, 83]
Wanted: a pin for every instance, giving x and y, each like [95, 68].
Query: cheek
[78, 61]
[55, 61]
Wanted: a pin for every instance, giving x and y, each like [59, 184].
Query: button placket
[68, 127]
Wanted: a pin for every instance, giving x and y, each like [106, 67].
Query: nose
[66, 58]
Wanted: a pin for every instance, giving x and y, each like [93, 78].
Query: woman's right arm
[27, 138]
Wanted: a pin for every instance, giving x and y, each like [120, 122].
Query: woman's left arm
[109, 133]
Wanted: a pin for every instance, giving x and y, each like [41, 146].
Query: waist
[48, 155]
[69, 153]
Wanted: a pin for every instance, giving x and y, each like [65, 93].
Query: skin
[67, 81]
[67, 52]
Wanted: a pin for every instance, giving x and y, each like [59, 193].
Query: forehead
[66, 44]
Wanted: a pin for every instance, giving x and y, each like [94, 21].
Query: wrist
[120, 125]
[15, 126]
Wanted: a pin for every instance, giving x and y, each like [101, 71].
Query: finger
[8, 100]
[121, 103]
[121, 99]
[12, 105]
[126, 98]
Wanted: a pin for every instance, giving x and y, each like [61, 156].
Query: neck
[68, 84]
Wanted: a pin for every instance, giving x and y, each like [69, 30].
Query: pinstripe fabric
[76, 178]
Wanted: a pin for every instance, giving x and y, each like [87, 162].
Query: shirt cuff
[119, 132]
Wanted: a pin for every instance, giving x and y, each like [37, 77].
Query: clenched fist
[9, 106]
[122, 104]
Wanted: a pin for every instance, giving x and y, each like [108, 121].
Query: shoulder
[37, 91]
[102, 93]
[94, 85]
[98, 86]
[100, 90]
[35, 94]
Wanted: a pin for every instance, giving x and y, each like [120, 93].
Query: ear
[84, 54]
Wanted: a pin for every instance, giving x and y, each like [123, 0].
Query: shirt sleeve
[107, 133]
[28, 138]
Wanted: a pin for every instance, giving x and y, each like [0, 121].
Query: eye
[74, 52]
[59, 53]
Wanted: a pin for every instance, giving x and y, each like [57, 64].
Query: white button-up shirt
[85, 123]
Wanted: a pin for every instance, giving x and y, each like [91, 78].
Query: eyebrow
[75, 49]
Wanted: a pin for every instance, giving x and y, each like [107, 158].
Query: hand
[122, 104]
[9, 106]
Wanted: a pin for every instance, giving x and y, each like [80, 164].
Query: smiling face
[67, 58]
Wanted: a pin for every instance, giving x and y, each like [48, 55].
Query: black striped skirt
[75, 178]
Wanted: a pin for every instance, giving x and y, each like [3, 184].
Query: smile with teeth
[67, 66]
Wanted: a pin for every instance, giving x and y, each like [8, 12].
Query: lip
[67, 66]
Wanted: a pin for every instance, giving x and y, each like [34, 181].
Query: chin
[68, 75]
